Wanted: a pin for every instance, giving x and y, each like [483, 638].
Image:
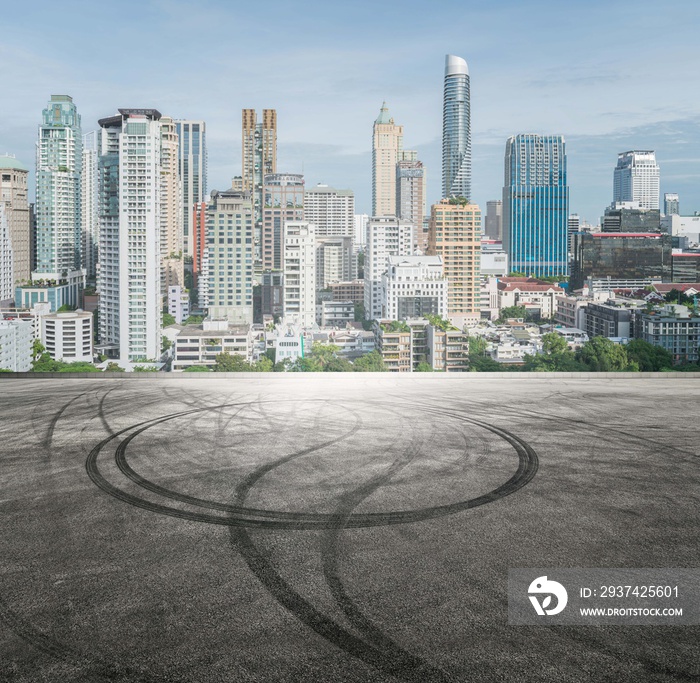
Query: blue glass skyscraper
[456, 130]
[536, 205]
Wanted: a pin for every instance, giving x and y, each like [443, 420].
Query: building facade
[636, 179]
[230, 257]
[259, 149]
[671, 204]
[283, 200]
[674, 328]
[331, 211]
[335, 260]
[129, 206]
[68, 336]
[410, 199]
[171, 212]
[387, 144]
[7, 291]
[455, 236]
[89, 214]
[16, 338]
[13, 196]
[456, 130]
[413, 287]
[299, 273]
[192, 170]
[386, 236]
[536, 205]
[493, 223]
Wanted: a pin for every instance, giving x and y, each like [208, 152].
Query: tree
[144, 368]
[439, 322]
[370, 362]
[648, 357]
[600, 354]
[359, 311]
[477, 346]
[194, 320]
[168, 319]
[114, 367]
[165, 343]
[197, 368]
[64, 308]
[556, 356]
[485, 364]
[226, 362]
[423, 366]
[264, 364]
[78, 366]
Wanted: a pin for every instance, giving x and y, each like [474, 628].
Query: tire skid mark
[412, 667]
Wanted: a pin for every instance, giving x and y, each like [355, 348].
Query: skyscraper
[456, 130]
[636, 179]
[13, 196]
[331, 211]
[283, 200]
[493, 224]
[90, 227]
[410, 198]
[536, 205]
[455, 236]
[192, 137]
[299, 273]
[259, 149]
[229, 257]
[171, 213]
[59, 162]
[387, 144]
[130, 215]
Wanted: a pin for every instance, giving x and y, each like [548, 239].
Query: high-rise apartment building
[413, 287]
[299, 273]
[387, 144]
[229, 271]
[331, 211]
[7, 292]
[198, 244]
[130, 213]
[259, 149]
[283, 200]
[636, 179]
[89, 216]
[192, 137]
[536, 205]
[455, 236]
[386, 236]
[360, 229]
[493, 223]
[59, 162]
[335, 260]
[171, 212]
[456, 130]
[671, 204]
[13, 197]
[410, 198]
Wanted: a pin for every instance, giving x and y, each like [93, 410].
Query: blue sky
[609, 76]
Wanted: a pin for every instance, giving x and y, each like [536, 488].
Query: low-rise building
[16, 339]
[613, 318]
[68, 336]
[336, 313]
[394, 344]
[200, 344]
[178, 303]
[354, 290]
[674, 328]
[532, 293]
[574, 336]
[448, 350]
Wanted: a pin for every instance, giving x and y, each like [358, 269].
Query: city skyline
[595, 94]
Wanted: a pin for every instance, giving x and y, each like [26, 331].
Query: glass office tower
[536, 205]
[456, 131]
[193, 173]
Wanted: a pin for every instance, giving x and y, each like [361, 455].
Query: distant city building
[348, 291]
[89, 213]
[198, 345]
[456, 130]
[335, 260]
[630, 217]
[259, 149]
[671, 204]
[633, 256]
[336, 313]
[683, 226]
[129, 283]
[455, 236]
[539, 297]
[283, 200]
[611, 318]
[16, 338]
[536, 205]
[360, 230]
[13, 196]
[198, 248]
[685, 267]
[386, 236]
[171, 211]
[68, 335]
[413, 287]
[192, 163]
[674, 328]
[493, 263]
[636, 179]
[299, 273]
[331, 211]
[493, 223]
[178, 303]
[230, 257]
[574, 226]
[410, 198]
[387, 143]
[272, 295]
[7, 291]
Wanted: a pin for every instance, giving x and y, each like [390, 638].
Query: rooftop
[7, 161]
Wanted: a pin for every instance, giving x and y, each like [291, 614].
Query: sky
[608, 75]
